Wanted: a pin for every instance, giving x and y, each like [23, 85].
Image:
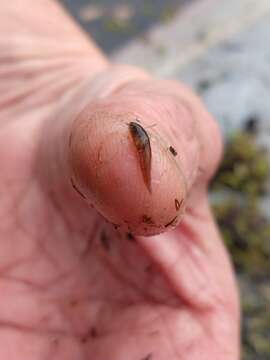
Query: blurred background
[221, 49]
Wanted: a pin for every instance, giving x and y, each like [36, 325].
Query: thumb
[136, 149]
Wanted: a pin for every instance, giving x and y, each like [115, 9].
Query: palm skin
[73, 286]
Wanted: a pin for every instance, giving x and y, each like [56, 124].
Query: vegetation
[237, 190]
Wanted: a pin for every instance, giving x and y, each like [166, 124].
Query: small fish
[142, 143]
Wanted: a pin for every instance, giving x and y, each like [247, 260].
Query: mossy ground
[239, 186]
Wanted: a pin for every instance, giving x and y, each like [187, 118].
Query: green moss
[245, 167]
[243, 175]
[256, 333]
[118, 26]
[260, 344]
[167, 14]
[241, 183]
[246, 233]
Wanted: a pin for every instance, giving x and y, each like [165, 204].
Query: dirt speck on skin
[171, 222]
[130, 236]
[73, 302]
[91, 334]
[148, 268]
[177, 204]
[105, 241]
[201, 170]
[147, 220]
[173, 151]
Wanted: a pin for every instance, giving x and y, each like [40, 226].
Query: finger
[141, 188]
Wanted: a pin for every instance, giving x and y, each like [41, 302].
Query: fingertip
[138, 193]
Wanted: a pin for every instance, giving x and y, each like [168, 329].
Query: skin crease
[72, 286]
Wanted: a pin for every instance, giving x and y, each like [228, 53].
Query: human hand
[74, 286]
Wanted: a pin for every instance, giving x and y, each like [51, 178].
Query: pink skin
[72, 286]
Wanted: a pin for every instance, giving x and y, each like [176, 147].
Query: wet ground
[112, 23]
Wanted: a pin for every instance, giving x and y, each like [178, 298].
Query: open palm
[73, 284]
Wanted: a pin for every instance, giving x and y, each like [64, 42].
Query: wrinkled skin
[73, 286]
